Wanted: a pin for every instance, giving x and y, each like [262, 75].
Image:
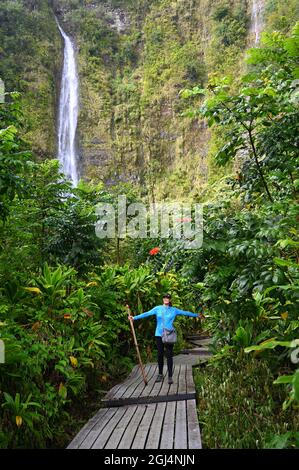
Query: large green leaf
[271, 344]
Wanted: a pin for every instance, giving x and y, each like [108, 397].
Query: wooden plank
[190, 387]
[144, 427]
[165, 386]
[201, 342]
[194, 437]
[173, 389]
[134, 381]
[156, 389]
[138, 384]
[198, 337]
[131, 387]
[148, 400]
[178, 377]
[152, 385]
[133, 374]
[119, 430]
[122, 390]
[180, 436]
[189, 359]
[105, 433]
[99, 426]
[75, 443]
[168, 426]
[198, 351]
[182, 387]
[129, 434]
[153, 437]
[143, 389]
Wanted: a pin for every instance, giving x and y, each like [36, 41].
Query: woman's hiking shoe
[159, 378]
[170, 381]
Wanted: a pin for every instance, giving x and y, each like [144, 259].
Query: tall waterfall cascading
[68, 111]
[256, 27]
[257, 19]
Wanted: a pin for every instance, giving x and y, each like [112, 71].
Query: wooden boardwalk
[139, 416]
[152, 416]
[166, 425]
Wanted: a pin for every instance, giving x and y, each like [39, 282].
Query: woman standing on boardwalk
[165, 315]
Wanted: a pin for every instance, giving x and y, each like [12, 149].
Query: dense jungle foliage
[63, 290]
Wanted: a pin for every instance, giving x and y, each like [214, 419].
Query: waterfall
[257, 19]
[119, 21]
[68, 111]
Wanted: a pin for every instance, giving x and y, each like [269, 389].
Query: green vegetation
[248, 265]
[63, 297]
[241, 391]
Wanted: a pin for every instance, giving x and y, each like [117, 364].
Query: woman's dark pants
[169, 354]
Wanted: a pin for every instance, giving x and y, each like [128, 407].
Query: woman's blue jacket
[169, 314]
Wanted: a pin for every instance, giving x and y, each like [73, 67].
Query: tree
[261, 119]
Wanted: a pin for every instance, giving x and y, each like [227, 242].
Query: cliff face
[30, 61]
[134, 57]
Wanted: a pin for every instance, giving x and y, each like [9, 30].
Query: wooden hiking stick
[137, 348]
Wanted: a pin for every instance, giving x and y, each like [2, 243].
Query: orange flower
[154, 251]
[184, 219]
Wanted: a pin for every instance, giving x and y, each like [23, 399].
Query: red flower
[154, 251]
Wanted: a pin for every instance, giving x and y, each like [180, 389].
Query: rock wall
[30, 62]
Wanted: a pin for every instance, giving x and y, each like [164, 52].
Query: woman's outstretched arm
[186, 313]
[146, 314]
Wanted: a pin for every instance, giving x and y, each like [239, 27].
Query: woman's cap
[166, 296]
